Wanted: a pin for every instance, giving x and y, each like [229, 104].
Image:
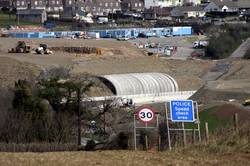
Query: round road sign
[145, 114]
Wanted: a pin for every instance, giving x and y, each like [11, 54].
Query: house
[188, 12]
[54, 5]
[21, 4]
[135, 5]
[222, 6]
[150, 14]
[95, 7]
[37, 4]
[30, 4]
[54, 8]
[5, 4]
[32, 15]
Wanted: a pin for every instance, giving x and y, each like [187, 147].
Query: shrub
[122, 140]
[90, 145]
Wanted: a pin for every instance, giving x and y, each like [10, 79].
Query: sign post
[182, 111]
[146, 115]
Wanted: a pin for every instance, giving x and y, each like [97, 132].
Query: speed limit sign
[145, 114]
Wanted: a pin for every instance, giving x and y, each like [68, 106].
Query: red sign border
[148, 107]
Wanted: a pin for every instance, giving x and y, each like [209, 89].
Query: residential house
[157, 12]
[188, 12]
[5, 4]
[32, 15]
[37, 4]
[100, 7]
[54, 8]
[54, 5]
[21, 4]
[132, 5]
[30, 4]
[150, 14]
[221, 6]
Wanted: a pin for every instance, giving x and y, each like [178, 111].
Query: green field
[7, 20]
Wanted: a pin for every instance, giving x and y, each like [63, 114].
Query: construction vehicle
[21, 47]
[246, 102]
[43, 49]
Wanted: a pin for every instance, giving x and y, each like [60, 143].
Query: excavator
[21, 47]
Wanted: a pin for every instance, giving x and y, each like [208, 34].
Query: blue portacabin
[182, 111]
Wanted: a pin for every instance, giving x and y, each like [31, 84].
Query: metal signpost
[182, 111]
[145, 115]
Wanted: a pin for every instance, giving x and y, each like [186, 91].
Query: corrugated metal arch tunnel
[139, 83]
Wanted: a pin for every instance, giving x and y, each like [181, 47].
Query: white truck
[200, 44]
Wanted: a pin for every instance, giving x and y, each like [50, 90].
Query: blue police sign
[182, 111]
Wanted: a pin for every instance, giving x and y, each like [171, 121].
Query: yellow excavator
[21, 47]
[246, 102]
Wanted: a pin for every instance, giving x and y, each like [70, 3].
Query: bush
[122, 140]
[226, 40]
[90, 145]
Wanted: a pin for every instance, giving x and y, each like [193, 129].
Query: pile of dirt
[227, 111]
[77, 50]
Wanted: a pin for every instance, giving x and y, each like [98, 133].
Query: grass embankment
[10, 19]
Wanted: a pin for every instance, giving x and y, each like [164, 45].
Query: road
[241, 50]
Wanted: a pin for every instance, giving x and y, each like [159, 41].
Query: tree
[80, 84]
[22, 96]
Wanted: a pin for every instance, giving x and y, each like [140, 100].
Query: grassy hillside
[219, 117]
[6, 20]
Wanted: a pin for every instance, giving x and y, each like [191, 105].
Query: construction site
[136, 72]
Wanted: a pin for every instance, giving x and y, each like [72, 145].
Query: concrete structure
[140, 83]
[142, 88]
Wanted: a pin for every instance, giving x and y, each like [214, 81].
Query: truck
[200, 44]
[102, 20]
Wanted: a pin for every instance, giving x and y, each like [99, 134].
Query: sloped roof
[140, 83]
[228, 3]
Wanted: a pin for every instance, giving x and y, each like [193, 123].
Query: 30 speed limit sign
[145, 114]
